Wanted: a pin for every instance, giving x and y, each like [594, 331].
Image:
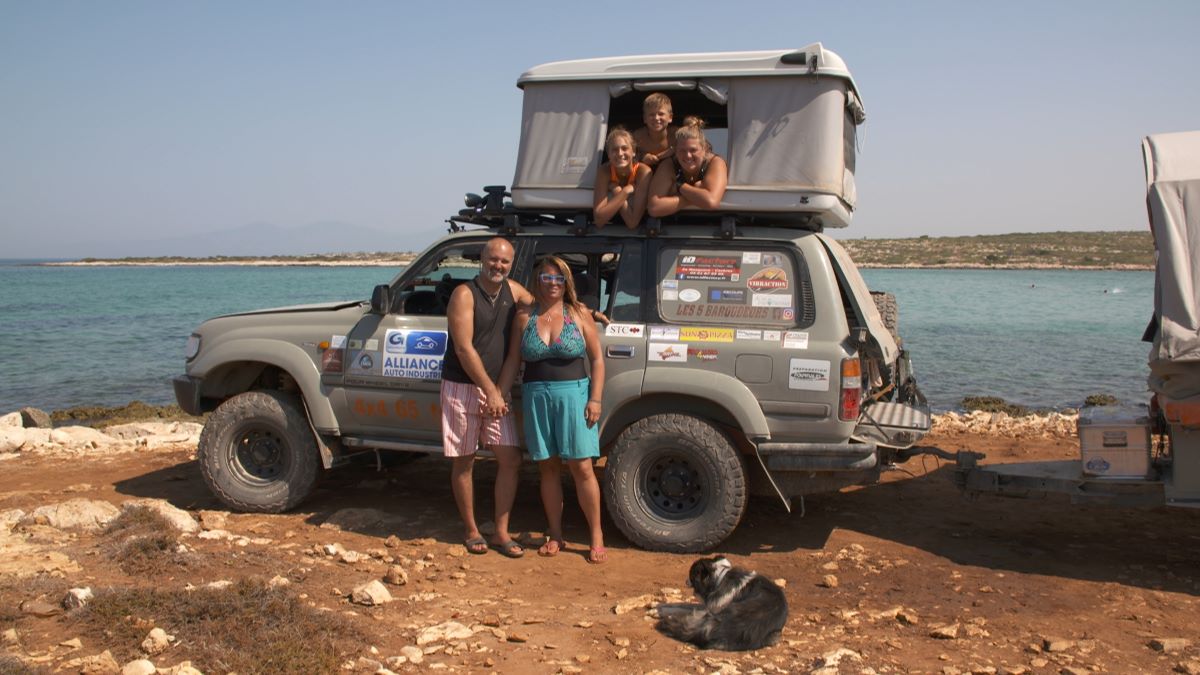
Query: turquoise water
[108, 335]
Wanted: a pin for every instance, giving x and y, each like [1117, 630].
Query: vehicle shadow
[1155, 548]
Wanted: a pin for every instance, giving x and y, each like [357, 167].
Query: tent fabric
[786, 133]
[1173, 202]
[562, 135]
[790, 141]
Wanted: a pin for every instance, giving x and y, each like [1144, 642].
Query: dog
[741, 610]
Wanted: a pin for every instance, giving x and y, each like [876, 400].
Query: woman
[692, 178]
[561, 406]
[622, 187]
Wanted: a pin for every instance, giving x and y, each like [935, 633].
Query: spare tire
[889, 311]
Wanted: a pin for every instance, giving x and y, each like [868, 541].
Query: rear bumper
[187, 393]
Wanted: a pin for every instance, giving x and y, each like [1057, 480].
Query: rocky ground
[113, 556]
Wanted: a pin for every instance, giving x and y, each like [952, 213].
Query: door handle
[620, 351]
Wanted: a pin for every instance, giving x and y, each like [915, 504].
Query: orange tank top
[612, 174]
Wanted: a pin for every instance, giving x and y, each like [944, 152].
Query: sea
[108, 335]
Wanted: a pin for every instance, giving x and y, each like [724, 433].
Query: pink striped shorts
[464, 425]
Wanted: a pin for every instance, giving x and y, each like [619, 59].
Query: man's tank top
[493, 322]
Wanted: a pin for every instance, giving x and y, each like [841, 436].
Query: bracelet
[592, 400]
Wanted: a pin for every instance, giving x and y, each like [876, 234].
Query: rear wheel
[257, 452]
[675, 483]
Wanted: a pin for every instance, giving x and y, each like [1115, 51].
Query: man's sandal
[509, 549]
[476, 545]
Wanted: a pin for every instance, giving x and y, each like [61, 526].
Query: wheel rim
[258, 455]
[673, 487]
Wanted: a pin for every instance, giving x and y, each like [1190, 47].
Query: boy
[655, 141]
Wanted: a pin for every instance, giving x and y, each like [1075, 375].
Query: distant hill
[1032, 250]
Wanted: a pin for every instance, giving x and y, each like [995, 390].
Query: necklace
[492, 297]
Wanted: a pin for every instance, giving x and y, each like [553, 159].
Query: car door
[393, 363]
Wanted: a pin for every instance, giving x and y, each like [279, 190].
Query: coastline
[408, 259]
[250, 262]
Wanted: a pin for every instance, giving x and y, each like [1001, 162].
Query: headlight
[192, 348]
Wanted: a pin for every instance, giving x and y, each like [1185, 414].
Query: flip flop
[597, 555]
[509, 549]
[551, 548]
[476, 545]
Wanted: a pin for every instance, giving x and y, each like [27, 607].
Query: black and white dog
[742, 610]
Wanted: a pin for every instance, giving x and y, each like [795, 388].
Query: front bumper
[187, 394]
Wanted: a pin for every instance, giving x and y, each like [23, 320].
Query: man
[480, 316]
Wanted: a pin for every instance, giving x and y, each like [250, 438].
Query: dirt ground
[1011, 586]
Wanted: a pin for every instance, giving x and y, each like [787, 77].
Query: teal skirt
[554, 420]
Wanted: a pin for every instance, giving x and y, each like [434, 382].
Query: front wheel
[257, 452]
[675, 483]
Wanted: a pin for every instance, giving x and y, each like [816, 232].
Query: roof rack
[493, 210]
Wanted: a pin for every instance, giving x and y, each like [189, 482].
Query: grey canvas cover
[790, 142]
[1173, 201]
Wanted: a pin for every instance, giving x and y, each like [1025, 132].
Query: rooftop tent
[1173, 200]
[784, 120]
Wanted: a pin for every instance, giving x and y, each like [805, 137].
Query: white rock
[9, 519]
[181, 519]
[443, 632]
[630, 604]
[413, 654]
[11, 420]
[278, 581]
[156, 642]
[80, 437]
[77, 597]
[85, 514]
[219, 585]
[370, 594]
[396, 575]
[10, 635]
[450, 630]
[139, 667]
[12, 438]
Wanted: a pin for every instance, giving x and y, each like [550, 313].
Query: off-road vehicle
[745, 353]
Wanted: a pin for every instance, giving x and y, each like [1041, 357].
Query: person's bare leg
[588, 490]
[508, 470]
[462, 483]
[552, 501]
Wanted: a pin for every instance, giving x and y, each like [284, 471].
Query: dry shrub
[246, 628]
[11, 665]
[142, 542]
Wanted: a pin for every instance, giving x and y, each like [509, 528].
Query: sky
[144, 126]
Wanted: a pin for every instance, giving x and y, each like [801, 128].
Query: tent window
[626, 110]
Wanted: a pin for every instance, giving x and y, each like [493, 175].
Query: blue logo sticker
[394, 343]
[425, 342]
[365, 362]
[1098, 465]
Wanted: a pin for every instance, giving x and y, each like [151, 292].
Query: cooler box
[1114, 441]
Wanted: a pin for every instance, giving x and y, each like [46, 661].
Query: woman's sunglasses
[552, 278]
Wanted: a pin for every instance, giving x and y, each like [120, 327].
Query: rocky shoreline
[34, 432]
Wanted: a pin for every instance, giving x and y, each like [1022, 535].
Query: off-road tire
[257, 452]
[675, 483]
[890, 311]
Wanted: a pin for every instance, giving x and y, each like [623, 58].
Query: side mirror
[381, 299]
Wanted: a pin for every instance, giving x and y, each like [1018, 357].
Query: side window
[426, 291]
[600, 273]
[756, 287]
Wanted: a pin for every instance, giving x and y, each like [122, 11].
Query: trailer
[1145, 455]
